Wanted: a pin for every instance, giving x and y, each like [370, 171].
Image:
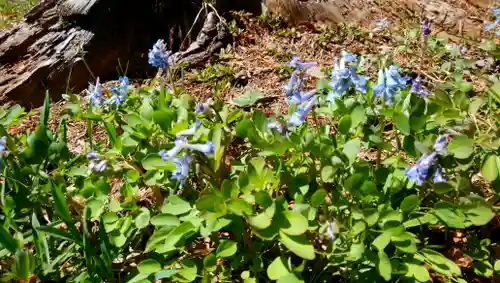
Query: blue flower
[438, 175]
[300, 97]
[389, 83]
[294, 84]
[181, 169]
[3, 144]
[299, 116]
[425, 24]
[421, 171]
[382, 24]
[191, 131]
[297, 64]
[158, 55]
[206, 148]
[93, 155]
[201, 108]
[330, 231]
[95, 93]
[417, 88]
[441, 143]
[97, 163]
[281, 128]
[343, 77]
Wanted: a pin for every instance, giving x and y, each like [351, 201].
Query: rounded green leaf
[345, 124]
[382, 241]
[226, 249]
[490, 168]
[461, 147]
[142, 220]
[410, 203]
[293, 223]
[277, 268]
[298, 245]
[318, 198]
[149, 266]
[165, 219]
[260, 221]
[240, 207]
[384, 267]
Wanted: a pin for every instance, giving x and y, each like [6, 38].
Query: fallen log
[61, 45]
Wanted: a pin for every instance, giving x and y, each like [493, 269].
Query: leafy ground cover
[382, 165]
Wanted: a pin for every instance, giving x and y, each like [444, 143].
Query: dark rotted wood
[61, 42]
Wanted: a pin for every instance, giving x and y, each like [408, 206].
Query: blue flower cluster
[417, 88]
[95, 93]
[389, 83]
[119, 93]
[425, 25]
[97, 163]
[183, 162]
[293, 90]
[294, 87]
[344, 76]
[158, 55]
[496, 24]
[428, 165]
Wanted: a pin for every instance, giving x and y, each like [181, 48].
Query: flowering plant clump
[363, 180]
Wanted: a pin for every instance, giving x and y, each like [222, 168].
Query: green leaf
[345, 124]
[277, 268]
[165, 274]
[497, 266]
[176, 206]
[483, 268]
[358, 116]
[461, 147]
[351, 149]
[188, 273]
[318, 198]
[61, 205]
[111, 130]
[155, 162]
[384, 267]
[249, 98]
[382, 241]
[450, 215]
[146, 109]
[25, 264]
[289, 278]
[440, 263]
[165, 220]
[240, 207]
[478, 212]
[149, 266]
[490, 168]
[402, 122]
[7, 240]
[410, 203]
[260, 221]
[298, 245]
[142, 220]
[358, 228]
[44, 114]
[293, 223]
[327, 174]
[226, 249]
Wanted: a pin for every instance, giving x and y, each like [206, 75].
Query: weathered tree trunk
[61, 44]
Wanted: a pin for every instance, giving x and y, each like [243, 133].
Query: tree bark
[61, 45]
